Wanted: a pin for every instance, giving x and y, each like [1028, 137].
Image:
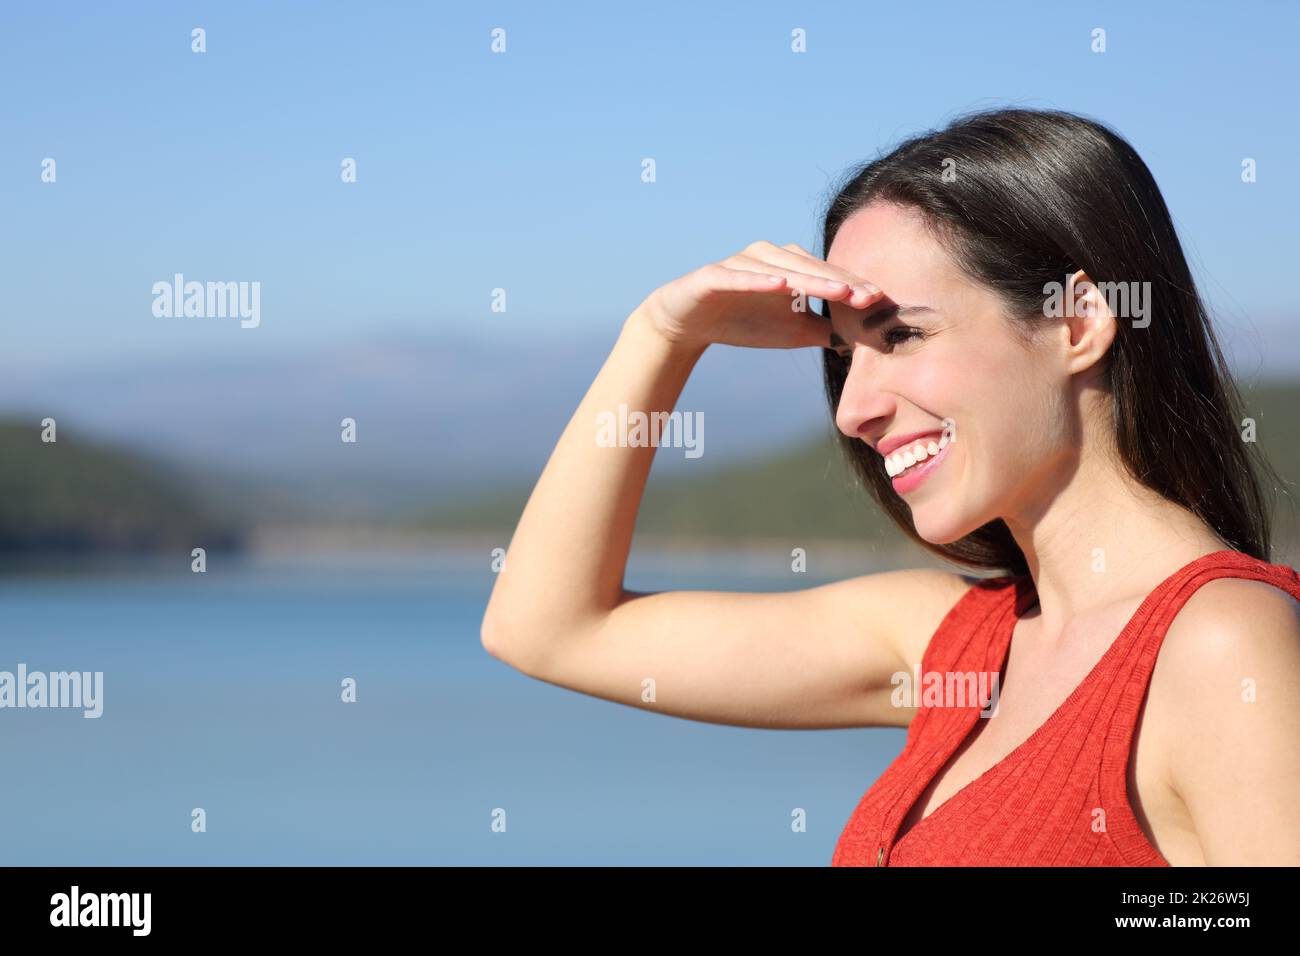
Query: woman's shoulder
[1233, 614]
[1227, 681]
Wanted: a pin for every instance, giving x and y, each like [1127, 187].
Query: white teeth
[903, 459]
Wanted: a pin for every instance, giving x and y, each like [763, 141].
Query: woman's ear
[1090, 322]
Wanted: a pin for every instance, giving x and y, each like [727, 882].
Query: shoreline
[823, 556]
[341, 547]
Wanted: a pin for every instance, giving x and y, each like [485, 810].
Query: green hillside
[73, 496]
[806, 490]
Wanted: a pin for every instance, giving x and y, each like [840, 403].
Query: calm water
[222, 691]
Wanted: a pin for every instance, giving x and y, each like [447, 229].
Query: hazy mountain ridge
[434, 416]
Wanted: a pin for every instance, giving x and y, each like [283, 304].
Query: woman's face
[938, 351]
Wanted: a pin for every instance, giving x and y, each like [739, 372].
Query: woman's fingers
[803, 328]
[799, 250]
[724, 278]
[794, 256]
[819, 286]
[792, 275]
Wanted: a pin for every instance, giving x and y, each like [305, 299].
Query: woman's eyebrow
[889, 310]
[883, 313]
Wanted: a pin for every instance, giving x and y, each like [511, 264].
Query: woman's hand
[754, 299]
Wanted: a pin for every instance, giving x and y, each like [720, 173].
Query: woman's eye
[901, 333]
[892, 337]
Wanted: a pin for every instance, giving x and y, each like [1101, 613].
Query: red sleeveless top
[1061, 797]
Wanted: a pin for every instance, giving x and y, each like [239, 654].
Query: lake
[221, 691]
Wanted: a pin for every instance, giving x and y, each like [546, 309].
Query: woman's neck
[1097, 537]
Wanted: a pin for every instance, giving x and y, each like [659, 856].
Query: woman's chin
[940, 528]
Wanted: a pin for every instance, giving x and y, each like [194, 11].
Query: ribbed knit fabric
[1061, 797]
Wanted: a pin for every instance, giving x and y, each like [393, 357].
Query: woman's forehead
[884, 236]
[891, 246]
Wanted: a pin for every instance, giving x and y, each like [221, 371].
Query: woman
[1023, 373]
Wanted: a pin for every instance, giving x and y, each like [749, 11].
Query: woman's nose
[865, 398]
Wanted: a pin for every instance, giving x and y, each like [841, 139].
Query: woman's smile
[918, 463]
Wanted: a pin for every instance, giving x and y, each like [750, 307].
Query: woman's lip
[910, 481]
[889, 445]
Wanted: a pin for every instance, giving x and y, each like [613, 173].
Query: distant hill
[454, 430]
[806, 490]
[74, 496]
[435, 416]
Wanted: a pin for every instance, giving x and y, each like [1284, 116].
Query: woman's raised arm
[820, 656]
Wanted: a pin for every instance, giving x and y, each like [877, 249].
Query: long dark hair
[1038, 195]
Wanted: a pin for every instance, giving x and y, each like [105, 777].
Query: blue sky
[522, 170]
